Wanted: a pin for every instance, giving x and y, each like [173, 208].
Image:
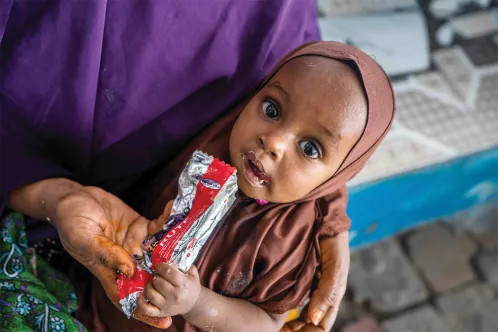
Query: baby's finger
[172, 274]
[153, 296]
[167, 290]
[193, 272]
[146, 309]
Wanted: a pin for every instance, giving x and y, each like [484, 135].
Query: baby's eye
[270, 110]
[310, 149]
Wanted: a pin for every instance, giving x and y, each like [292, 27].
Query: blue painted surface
[387, 207]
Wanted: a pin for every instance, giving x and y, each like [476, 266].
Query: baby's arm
[175, 293]
[214, 312]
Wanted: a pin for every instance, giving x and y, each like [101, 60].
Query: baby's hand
[171, 292]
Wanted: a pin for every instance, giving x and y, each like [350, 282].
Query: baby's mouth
[254, 171]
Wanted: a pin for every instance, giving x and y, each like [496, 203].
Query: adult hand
[95, 227]
[101, 232]
[322, 311]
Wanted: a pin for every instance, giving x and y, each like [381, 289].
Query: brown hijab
[268, 254]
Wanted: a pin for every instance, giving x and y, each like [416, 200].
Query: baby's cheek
[295, 186]
[304, 185]
[305, 182]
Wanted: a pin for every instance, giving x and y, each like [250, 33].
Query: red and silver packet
[206, 190]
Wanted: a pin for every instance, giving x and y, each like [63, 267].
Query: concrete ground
[442, 277]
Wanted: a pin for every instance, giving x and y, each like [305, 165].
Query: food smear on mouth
[254, 171]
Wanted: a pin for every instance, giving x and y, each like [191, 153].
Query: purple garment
[101, 91]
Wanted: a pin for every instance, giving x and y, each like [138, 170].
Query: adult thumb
[157, 224]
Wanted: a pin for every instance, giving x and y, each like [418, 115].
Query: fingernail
[125, 270]
[317, 316]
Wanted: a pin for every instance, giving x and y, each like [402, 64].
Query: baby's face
[294, 134]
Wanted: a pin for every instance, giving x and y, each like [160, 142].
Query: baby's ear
[157, 224]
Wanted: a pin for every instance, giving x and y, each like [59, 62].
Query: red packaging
[206, 190]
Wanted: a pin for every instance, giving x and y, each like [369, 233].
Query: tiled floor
[448, 111]
[441, 114]
[346, 7]
[440, 278]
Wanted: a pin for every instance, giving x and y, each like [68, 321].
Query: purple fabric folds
[101, 91]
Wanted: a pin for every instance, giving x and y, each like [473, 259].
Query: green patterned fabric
[33, 295]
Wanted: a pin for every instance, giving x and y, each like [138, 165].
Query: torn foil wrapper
[206, 190]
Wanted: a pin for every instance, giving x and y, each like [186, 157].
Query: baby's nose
[274, 144]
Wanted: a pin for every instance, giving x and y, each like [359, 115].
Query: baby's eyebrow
[276, 84]
[334, 138]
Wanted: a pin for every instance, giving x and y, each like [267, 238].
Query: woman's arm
[91, 222]
[39, 199]
[95, 227]
[326, 299]
[321, 313]
[173, 292]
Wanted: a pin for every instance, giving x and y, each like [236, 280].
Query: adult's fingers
[325, 302]
[107, 278]
[312, 328]
[157, 224]
[329, 319]
[113, 256]
[295, 325]
[137, 232]
[332, 285]
[159, 322]
[285, 328]
[108, 281]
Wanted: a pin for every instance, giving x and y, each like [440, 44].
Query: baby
[295, 142]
